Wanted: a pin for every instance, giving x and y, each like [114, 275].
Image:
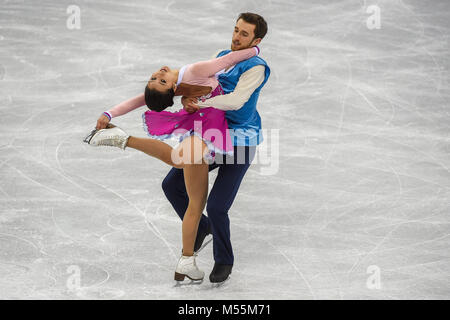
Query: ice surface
[363, 177]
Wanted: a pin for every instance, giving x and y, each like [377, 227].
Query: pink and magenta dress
[209, 124]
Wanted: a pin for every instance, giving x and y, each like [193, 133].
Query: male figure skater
[242, 84]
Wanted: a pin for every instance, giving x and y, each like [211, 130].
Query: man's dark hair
[158, 101]
[257, 20]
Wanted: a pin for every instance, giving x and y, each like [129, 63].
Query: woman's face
[163, 80]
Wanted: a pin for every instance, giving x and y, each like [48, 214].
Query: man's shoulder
[222, 52]
[254, 65]
[257, 60]
[215, 55]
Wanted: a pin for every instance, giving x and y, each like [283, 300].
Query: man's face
[243, 36]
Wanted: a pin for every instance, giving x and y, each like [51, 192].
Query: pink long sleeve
[127, 106]
[205, 69]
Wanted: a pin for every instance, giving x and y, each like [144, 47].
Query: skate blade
[221, 284]
[89, 136]
[186, 283]
[93, 132]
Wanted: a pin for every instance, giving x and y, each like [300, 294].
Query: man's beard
[236, 46]
[239, 46]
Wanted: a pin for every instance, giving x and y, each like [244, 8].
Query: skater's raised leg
[190, 151]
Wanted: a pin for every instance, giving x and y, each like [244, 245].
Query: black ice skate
[220, 272]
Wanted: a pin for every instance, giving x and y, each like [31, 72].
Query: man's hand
[102, 122]
[190, 104]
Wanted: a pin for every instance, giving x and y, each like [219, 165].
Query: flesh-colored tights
[188, 155]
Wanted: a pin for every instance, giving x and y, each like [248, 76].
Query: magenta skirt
[209, 124]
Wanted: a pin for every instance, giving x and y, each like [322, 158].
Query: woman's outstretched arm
[120, 109]
[211, 67]
[127, 106]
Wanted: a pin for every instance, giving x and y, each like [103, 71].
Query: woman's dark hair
[257, 20]
[158, 101]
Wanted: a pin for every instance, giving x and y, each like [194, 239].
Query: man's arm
[249, 81]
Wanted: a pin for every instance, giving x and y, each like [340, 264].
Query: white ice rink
[355, 205]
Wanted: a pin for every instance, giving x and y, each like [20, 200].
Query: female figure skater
[202, 134]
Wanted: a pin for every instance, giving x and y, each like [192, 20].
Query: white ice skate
[187, 267]
[112, 136]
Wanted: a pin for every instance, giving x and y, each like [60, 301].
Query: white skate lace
[113, 141]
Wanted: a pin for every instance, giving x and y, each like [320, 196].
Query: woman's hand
[190, 104]
[102, 122]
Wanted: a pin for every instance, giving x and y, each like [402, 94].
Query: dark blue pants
[231, 171]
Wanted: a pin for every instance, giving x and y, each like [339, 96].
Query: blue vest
[244, 123]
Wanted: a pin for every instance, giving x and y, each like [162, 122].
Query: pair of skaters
[219, 95]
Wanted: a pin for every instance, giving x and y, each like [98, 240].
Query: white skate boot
[188, 268]
[113, 137]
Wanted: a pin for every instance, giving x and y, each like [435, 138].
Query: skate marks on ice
[2, 72]
[364, 168]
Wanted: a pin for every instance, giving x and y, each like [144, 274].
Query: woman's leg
[196, 181]
[190, 151]
[189, 156]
